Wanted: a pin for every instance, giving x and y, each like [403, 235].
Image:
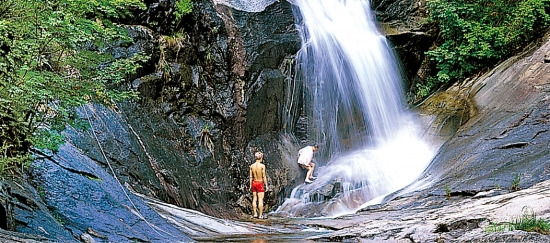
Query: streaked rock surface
[442, 219]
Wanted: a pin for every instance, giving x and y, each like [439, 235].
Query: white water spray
[354, 96]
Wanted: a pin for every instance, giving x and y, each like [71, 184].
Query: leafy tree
[476, 34]
[53, 58]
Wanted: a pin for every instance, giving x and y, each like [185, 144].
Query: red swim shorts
[258, 186]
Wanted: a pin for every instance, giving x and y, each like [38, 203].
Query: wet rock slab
[77, 200]
[441, 219]
[202, 227]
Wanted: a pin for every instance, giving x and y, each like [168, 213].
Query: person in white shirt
[305, 160]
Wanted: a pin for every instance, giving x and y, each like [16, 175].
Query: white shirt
[305, 155]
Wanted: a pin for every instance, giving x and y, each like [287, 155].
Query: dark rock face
[221, 87]
[184, 141]
[407, 10]
[410, 47]
[266, 107]
[236, 88]
[146, 151]
[268, 36]
[404, 24]
[158, 16]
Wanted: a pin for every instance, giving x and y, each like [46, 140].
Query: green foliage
[183, 7]
[476, 34]
[205, 128]
[48, 139]
[527, 222]
[447, 191]
[515, 183]
[58, 217]
[94, 178]
[53, 58]
[22, 160]
[40, 191]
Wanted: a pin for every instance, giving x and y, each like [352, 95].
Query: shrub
[53, 58]
[476, 34]
[515, 183]
[183, 7]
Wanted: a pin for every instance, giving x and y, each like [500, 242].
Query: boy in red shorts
[258, 184]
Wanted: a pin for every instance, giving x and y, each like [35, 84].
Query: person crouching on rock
[258, 184]
[305, 160]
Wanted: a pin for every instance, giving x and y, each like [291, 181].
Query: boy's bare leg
[312, 166]
[309, 173]
[254, 199]
[261, 203]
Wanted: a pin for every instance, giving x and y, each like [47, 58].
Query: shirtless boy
[258, 184]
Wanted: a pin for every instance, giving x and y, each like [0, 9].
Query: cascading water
[354, 99]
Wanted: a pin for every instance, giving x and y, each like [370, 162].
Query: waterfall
[356, 110]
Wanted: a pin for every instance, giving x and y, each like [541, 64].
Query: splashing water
[355, 99]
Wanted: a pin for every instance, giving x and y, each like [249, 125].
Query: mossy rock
[450, 110]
